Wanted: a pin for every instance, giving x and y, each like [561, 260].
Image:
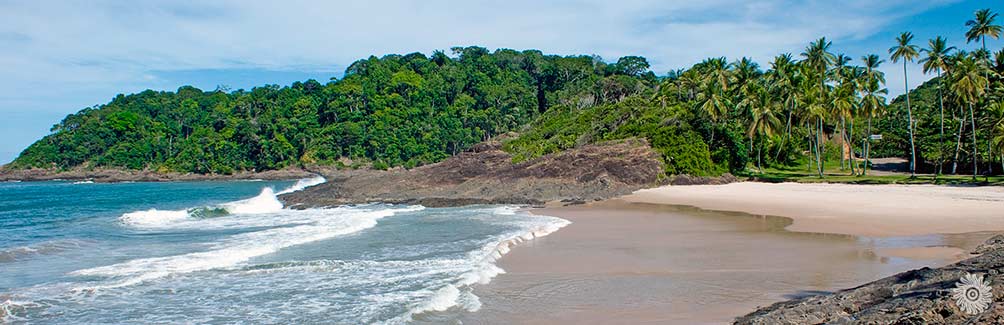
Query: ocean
[226, 252]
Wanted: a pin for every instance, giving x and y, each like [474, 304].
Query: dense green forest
[810, 109]
[398, 110]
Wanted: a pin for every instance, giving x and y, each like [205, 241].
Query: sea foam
[266, 201]
[481, 267]
[308, 226]
[286, 228]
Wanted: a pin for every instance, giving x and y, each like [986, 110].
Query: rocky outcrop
[486, 175]
[992, 244]
[921, 296]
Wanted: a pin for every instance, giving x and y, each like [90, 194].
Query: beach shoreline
[629, 253]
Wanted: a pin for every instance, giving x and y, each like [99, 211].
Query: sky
[57, 57]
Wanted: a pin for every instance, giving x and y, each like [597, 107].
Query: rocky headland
[485, 174]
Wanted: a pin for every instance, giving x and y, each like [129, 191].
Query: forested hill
[397, 110]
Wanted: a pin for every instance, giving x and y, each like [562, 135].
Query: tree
[713, 100]
[907, 53]
[937, 60]
[818, 60]
[763, 120]
[969, 84]
[631, 65]
[982, 26]
[782, 83]
[872, 101]
[845, 103]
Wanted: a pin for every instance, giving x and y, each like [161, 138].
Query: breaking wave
[236, 261]
[265, 202]
[307, 226]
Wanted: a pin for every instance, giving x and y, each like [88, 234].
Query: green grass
[833, 174]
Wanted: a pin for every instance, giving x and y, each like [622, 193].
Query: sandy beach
[707, 254]
[863, 210]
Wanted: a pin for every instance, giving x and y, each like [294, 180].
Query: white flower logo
[972, 294]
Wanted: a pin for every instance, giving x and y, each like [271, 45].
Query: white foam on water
[411, 287]
[442, 300]
[302, 184]
[481, 268]
[10, 309]
[288, 228]
[505, 210]
[83, 182]
[326, 223]
[153, 217]
[265, 202]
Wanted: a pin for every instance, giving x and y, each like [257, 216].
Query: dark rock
[486, 175]
[992, 244]
[921, 296]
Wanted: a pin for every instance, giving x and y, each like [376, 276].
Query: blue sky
[57, 57]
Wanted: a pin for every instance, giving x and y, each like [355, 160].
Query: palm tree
[937, 60]
[953, 60]
[872, 105]
[818, 59]
[872, 102]
[842, 104]
[995, 119]
[969, 85]
[746, 76]
[689, 82]
[713, 98]
[999, 140]
[996, 110]
[782, 84]
[763, 120]
[907, 52]
[982, 26]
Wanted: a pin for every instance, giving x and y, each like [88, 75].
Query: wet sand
[623, 262]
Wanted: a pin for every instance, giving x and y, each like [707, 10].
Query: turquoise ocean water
[225, 252]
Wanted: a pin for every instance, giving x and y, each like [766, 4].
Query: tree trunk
[909, 115]
[712, 142]
[867, 148]
[972, 121]
[759, 163]
[958, 144]
[819, 147]
[843, 135]
[751, 145]
[941, 140]
[850, 148]
[812, 148]
[990, 154]
[787, 134]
